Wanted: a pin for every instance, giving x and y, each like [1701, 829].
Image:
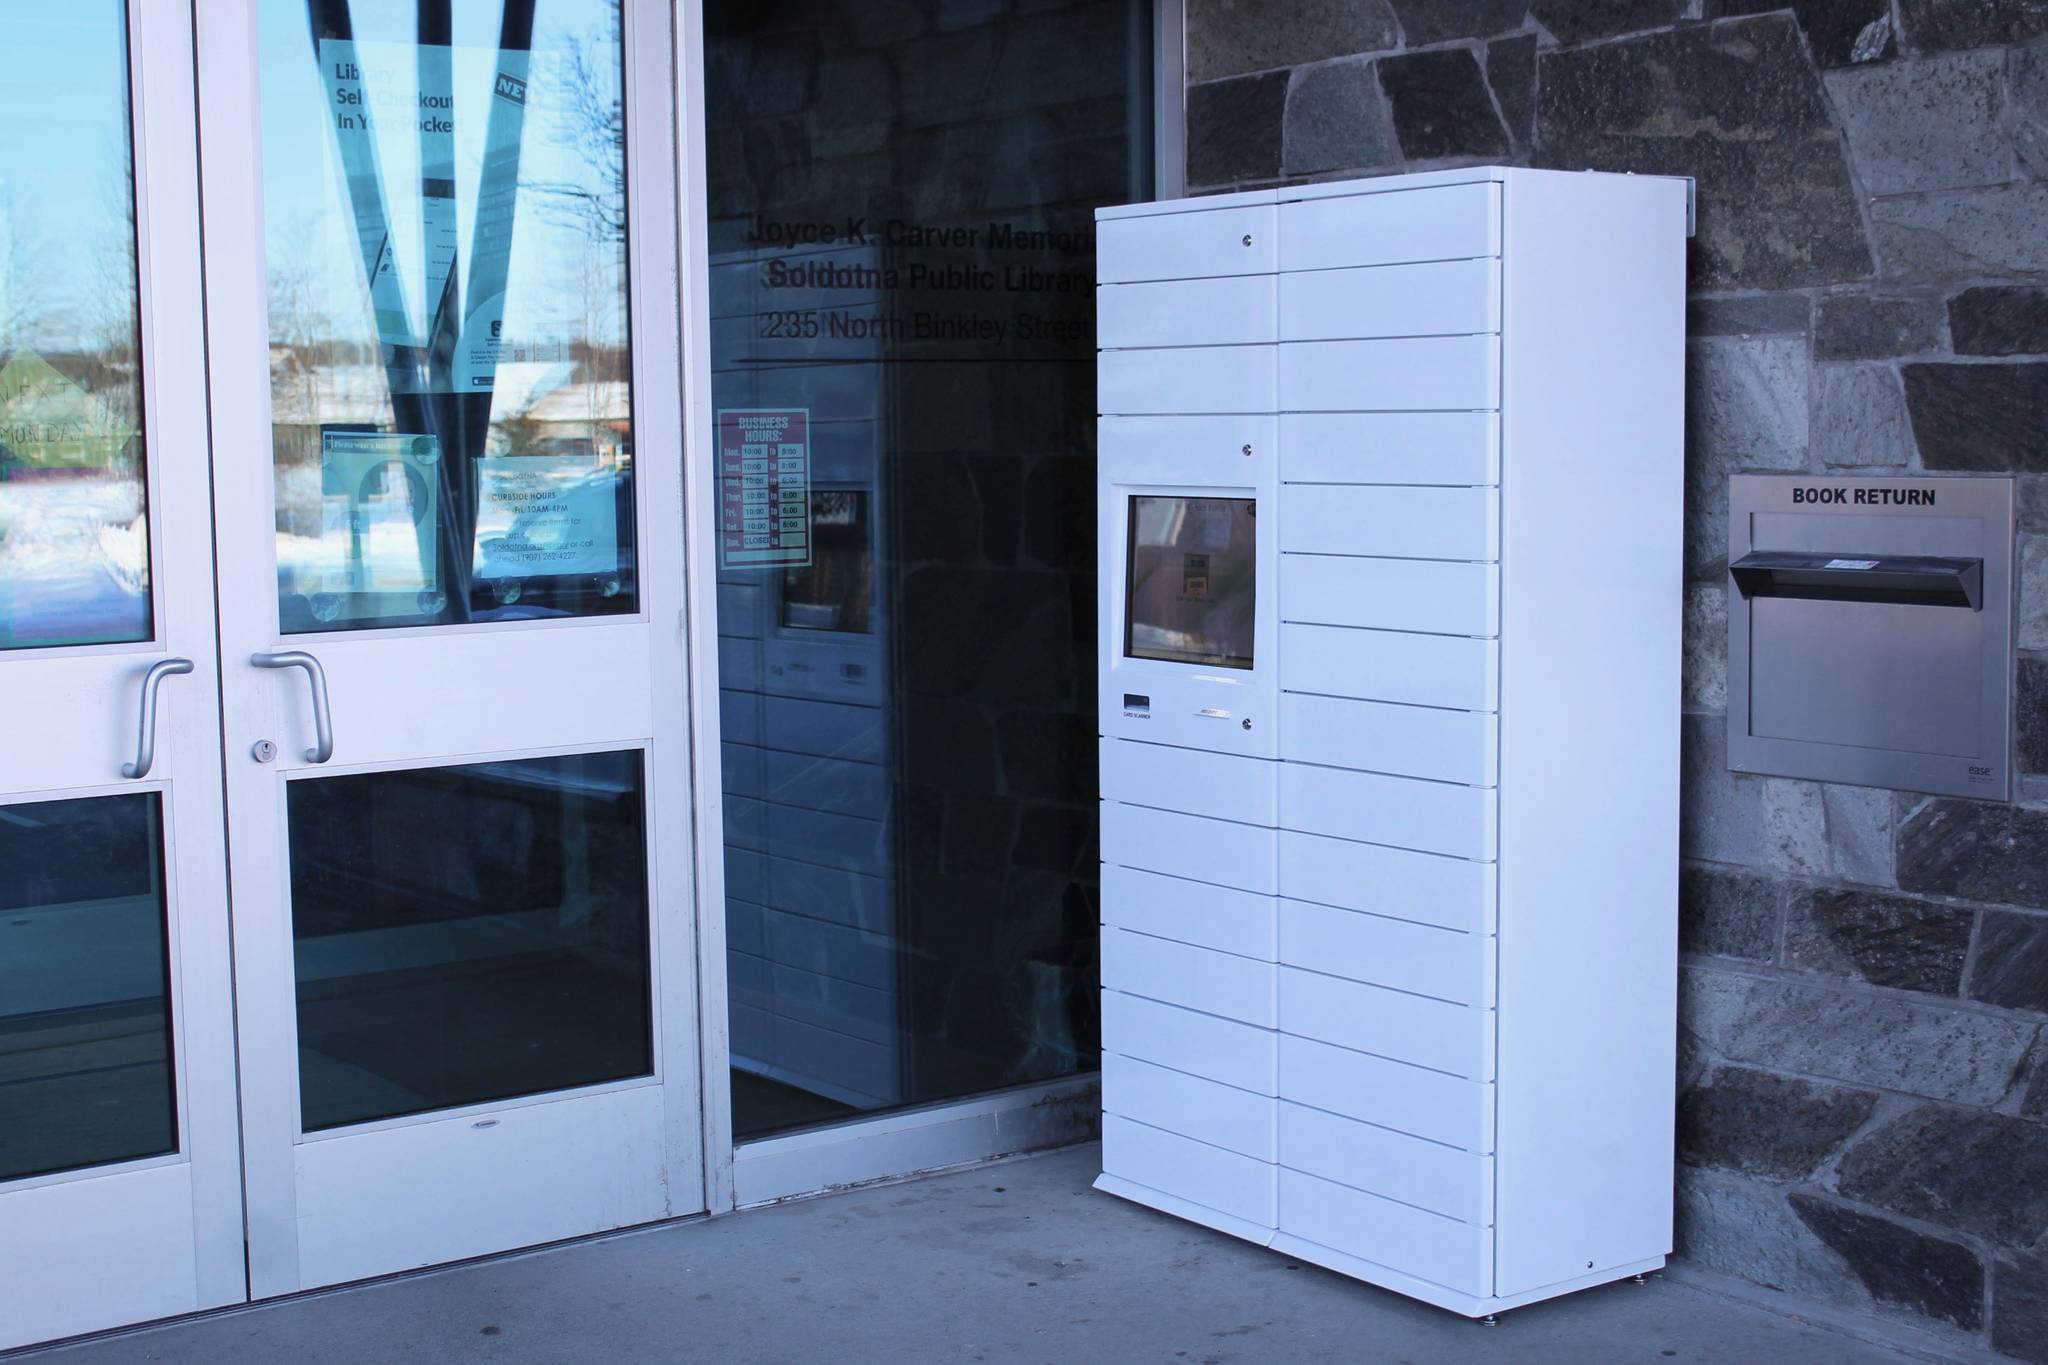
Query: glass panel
[468, 934]
[445, 208]
[1189, 583]
[901, 218]
[74, 535]
[85, 1011]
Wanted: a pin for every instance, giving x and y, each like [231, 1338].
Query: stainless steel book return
[1887, 663]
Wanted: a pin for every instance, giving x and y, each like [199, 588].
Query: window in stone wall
[901, 219]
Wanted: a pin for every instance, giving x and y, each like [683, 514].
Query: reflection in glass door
[463, 933]
[119, 1182]
[900, 225]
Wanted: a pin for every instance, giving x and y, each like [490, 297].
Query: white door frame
[90, 1249]
[607, 1155]
[897, 1143]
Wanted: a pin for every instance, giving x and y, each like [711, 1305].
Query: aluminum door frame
[926, 1137]
[192, 1196]
[274, 707]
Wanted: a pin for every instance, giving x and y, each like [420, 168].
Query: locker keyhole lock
[263, 751]
[1247, 239]
[1247, 450]
[1247, 722]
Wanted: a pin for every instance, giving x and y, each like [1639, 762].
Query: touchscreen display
[1190, 595]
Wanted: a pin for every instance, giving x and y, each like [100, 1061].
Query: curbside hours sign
[764, 487]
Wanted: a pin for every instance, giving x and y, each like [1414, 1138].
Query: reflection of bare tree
[307, 358]
[74, 304]
[28, 294]
[302, 331]
[591, 118]
[519, 434]
[111, 330]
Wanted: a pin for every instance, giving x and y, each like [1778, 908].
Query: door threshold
[909, 1143]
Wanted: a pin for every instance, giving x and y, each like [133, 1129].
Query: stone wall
[1864, 1112]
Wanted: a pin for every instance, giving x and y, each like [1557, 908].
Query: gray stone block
[957, 14]
[2026, 94]
[1692, 1059]
[1511, 71]
[1234, 128]
[1723, 913]
[2030, 714]
[887, 21]
[1859, 417]
[1976, 851]
[1439, 21]
[1999, 320]
[1983, 417]
[949, 744]
[1337, 120]
[1945, 25]
[1706, 647]
[1441, 105]
[1745, 409]
[1984, 1174]
[1060, 59]
[1749, 315]
[1963, 234]
[1230, 37]
[2033, 567]
[1720, 814]
[1794, 826]
[1840, 32]
[943, 73]
[1750, 1121]
[1859, 327]
[1898, 1264]
[1895, 941]
[852, 107]
[762, 78]
[1742, 1226]
[1737, 105]
[1852, 1035]
[1860, 821]
[1031, 664]
[1047, 754]
[2033, 500]
[2012, 961]
[1933, 124]
[2019, 1306]
[1574, 21]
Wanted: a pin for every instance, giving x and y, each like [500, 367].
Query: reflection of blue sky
[561, 284]
[74, 564]
[63, 163]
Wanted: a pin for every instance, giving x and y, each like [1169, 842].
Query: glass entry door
[443, 340]
[120, 1184]
[345, 907]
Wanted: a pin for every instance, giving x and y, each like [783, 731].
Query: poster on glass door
[764, 487]
[380, 496]
[393, 111]
[546, 516]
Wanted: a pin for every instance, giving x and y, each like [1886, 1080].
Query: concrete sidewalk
[1015, 1262]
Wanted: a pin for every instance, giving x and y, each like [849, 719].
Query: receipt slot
[1870, 631]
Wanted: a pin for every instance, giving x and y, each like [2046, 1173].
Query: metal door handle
[316, 676]
[145, 739]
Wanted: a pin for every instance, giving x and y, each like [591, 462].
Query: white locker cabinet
[1390, 593]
